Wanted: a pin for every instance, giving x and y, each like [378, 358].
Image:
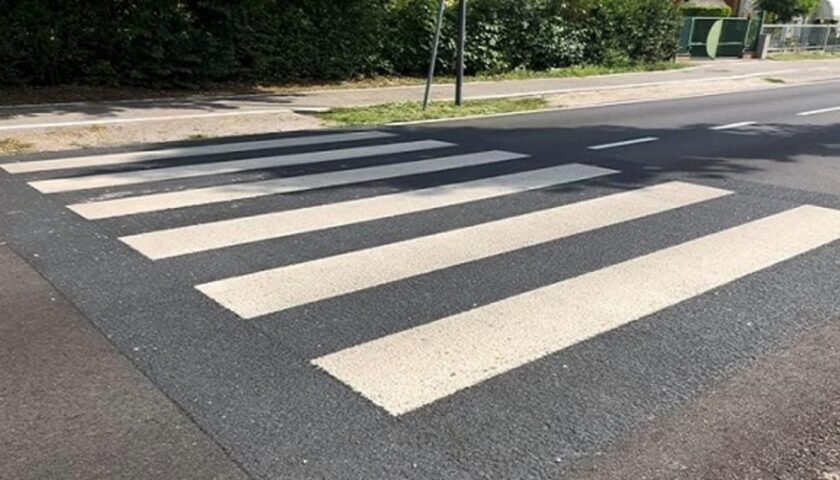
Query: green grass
[581, 71]
[805, 56]
[412, 111]
[9, 146]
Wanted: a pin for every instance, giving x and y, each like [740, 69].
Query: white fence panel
[803, 37]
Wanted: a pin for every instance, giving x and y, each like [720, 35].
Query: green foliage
[413, 111]
[633, 31]
[192, 43]
[784, 11]
[695, 10]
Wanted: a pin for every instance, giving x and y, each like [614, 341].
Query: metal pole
[433, 60]
[462, 41]
[827, 36]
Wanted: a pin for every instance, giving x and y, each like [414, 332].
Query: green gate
[714, 37]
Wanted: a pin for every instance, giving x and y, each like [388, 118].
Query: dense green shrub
[784, 11]
[695, 10]
[410, 30]
[188, 43]
[503, 35]
[633, 31]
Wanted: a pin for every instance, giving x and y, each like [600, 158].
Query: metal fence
[803, 37]
[718, 37]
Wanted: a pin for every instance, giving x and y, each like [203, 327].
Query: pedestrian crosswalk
[418, 366]
[269, 291]
[241, 191]
[209, 236]
[408, 369]
[233, 166]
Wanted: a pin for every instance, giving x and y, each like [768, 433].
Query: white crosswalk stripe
[217, 168]
[410, 369]
[241, 191]
[272, 290]
[238, 231]
[187, 151]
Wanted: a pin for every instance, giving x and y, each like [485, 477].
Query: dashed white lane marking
[817, 112]
[412, 368]
[277, 289]
[114, 121]
[624, 143]
[187, 151]
[729, 126]
[233, 166]
[240, 191]
[238, 231]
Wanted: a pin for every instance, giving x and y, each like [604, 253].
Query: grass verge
[806, 56]
[9, 146]
[580, 71]
[413, 111]
[78, 93]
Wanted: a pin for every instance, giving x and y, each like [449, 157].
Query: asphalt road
[660, 300]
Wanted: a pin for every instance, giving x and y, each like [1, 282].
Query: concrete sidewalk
[25, 118]
[72, 407]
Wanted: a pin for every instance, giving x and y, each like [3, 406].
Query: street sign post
[433, 60]
[462, 41]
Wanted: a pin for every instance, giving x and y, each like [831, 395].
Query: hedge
[191, 43]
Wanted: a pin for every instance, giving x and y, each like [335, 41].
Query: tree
[785, 10]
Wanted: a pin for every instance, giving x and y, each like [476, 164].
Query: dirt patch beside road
[70, 138]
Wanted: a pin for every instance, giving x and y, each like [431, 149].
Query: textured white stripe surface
[209, 236]
[730, 126]
[817, 112]
[624, 143]
[412, 368]
[240, 191]
[232, 166]
[277, 289]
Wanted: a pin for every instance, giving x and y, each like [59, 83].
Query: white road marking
[186, 151]
[623, 143]
[240, 191]
[238, 231]
[114, 121]
[277, 289]
[732, 125]
[415, 367]
[817, 112]
[232, 166]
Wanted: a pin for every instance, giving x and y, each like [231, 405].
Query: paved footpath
[73, 407]
[28, 118]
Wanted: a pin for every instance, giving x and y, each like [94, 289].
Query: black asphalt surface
[674, 395]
